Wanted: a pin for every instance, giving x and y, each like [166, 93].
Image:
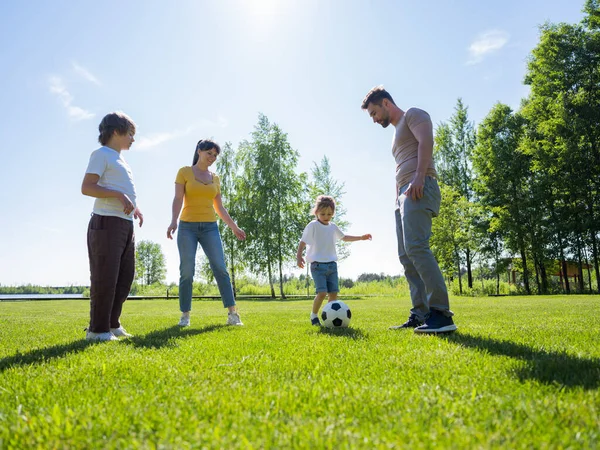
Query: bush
[488, 288]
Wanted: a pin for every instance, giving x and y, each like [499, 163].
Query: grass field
[521, 372]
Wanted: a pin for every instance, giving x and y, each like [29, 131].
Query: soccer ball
[336, 314]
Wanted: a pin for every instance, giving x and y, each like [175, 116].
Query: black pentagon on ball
[324, 315]
[349, 314]
[337, 322]
[335, 306]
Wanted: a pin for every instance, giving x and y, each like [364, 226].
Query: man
[418, 201]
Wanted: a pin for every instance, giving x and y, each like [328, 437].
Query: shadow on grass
[544, 366]
[41, 355]
[155, 339]
[166, 337]
[352, 333]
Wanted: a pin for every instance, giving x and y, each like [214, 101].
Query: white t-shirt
[320, 241]
[114, 173]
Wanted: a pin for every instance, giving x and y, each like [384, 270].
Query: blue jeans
[413, 229]
[206, 234]
[325, 276]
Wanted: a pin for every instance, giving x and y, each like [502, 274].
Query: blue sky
[195, 69]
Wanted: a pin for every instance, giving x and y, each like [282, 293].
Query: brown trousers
[111, 249]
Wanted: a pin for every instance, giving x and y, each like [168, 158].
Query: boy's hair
[115, 121]
[376, 96]
[322, 202]
[205, 145]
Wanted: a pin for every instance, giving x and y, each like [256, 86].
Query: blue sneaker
[412, 322]
[315, 321]
[437, 322]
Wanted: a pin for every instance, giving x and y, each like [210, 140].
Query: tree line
[520, 190]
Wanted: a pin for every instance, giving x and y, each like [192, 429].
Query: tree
[150, 263]
[503, 173]
[448, 232]
[563, 111]
[273, 207]
[227, 169]
[454, 143]
[323, 183]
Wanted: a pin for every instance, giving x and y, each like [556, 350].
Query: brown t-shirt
[405, 146]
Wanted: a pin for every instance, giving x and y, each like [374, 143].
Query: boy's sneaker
[106, 336]
[233, 318]
[185, 320]
[437, 322]
[412, 322]
[315, 321]
[120, 332]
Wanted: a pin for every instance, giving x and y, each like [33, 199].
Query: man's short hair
[376, 96]
[116, 121]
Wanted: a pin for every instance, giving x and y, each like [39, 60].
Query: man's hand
[415, 188]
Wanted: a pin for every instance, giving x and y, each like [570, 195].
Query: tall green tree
[227, 168]
[503, 173]
[454, 143]
[150, 262]
[273, 210]
[564, 112]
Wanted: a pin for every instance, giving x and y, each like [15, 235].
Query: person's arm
[299, 258]
[224, 215]
[423, 132]
[176, 209]
[364, 237]
[137, 214]
[90, 187]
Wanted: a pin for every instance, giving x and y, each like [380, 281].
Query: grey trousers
[413, 229]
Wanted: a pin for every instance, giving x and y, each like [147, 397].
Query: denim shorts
[325, 276]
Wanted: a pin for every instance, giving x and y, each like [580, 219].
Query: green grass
[521, 372]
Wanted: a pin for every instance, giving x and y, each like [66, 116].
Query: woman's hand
[239, 233]
[171, 230]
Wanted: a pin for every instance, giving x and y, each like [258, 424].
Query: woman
[198, 190]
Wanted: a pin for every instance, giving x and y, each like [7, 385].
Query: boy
[110, 236]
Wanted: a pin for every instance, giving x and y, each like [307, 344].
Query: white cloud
[58, 88]
[486, 43]
[77, 113]
[155, 139]
[86, 74]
